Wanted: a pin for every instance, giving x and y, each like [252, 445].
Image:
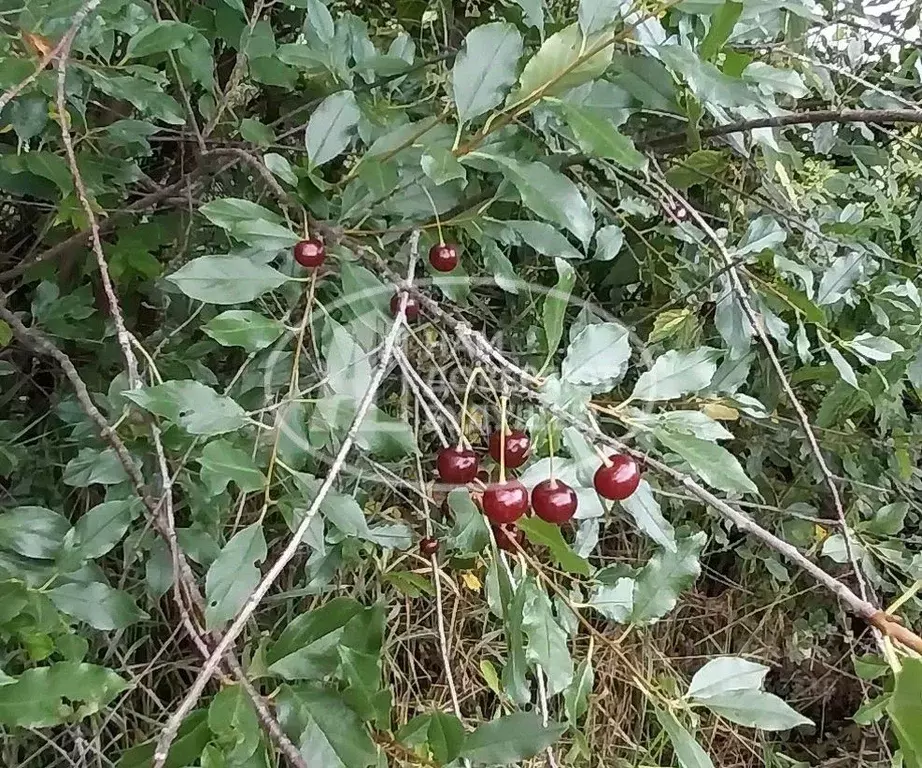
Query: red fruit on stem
[443, 257]
[618, 479]
[457, 465]
[553, 501]
[517, 446]
[411, 310]
[429, 546]
[505, 502]
[506, 534]
[310, 253]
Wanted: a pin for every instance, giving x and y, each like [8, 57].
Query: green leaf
[445, 736]
[256, 132]
[510, 739]
[440, 165]
[243, 328]
[226, 279]
[409, 584]
[348, 368]
[99, 605]
[158, 570]
[555, 305]
[576, 697]
[227, 212]
[726, 674]
[63, 692]
[597, 137]
[281, 168]
[841, 365]
[92, 466]
[598, 357]
[331, 127]
[320, 21]
[648, 516]
[675, 374]
[545, 239]
[687, 751]
[550, 195]
[221, 462]
[159, 37]
[232, 718]
[33, 532]
[905, 710]
[697, 168]
[548, 535]
[234, 575]
[327, 732]
[888, 520]
[6, 334]
[191, 405]
[100, 529]
[307, 647]
[608, 242]
[712, 463]
[664, 576]
[485, 68]
[722, 23]
[265, 235]
[755, 709]
[498, 263]
[559, 64]
[28, 116]
[595, 15]
[469, 535]
[191, 739]
[876, 349]
[616, 601]
[693, 423]
[547, 642]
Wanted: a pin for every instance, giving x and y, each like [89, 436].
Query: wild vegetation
[421, 384]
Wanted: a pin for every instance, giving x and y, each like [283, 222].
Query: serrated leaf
[191, 405]
[608, 242]
[226, 212]
[595, 15]
[243, 328]
[711, 462]
[687, 751]
[549, 194]
[598, 137]
[221, 462]
[331, 127]
[547, 642]
[98, 604]
[226, 279]
[102, 527]
[726, 674]
[33, 532]
[510, 739]
[645, 509]
[664, 576]
[598, 357]
[485, 68]
[548, 535]
[62, 692]
[561, 64]
[755, 709]
[675, 374]
[265, 235]
[614, 602]
[233, 575]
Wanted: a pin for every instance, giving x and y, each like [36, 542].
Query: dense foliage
[686, 235]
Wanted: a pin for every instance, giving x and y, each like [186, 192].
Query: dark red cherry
[618, 479]
[310, 253]
[505, 502]
[517, 445]
[553, 501]
[412, 308]
[443, 257]
[429, 546]
[505, 535]
[457, 465]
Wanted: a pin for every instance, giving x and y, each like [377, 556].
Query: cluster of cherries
[311, 253]
[506, 501]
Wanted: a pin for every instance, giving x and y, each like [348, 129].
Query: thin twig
[172, 726]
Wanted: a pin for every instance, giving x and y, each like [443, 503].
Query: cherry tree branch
[172, 726]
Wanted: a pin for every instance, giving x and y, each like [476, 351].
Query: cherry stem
[550, 450]
[502, 439]
[438, 222]
[602, 455]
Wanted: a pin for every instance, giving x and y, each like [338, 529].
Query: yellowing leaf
[721, 412]
[471, 581]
